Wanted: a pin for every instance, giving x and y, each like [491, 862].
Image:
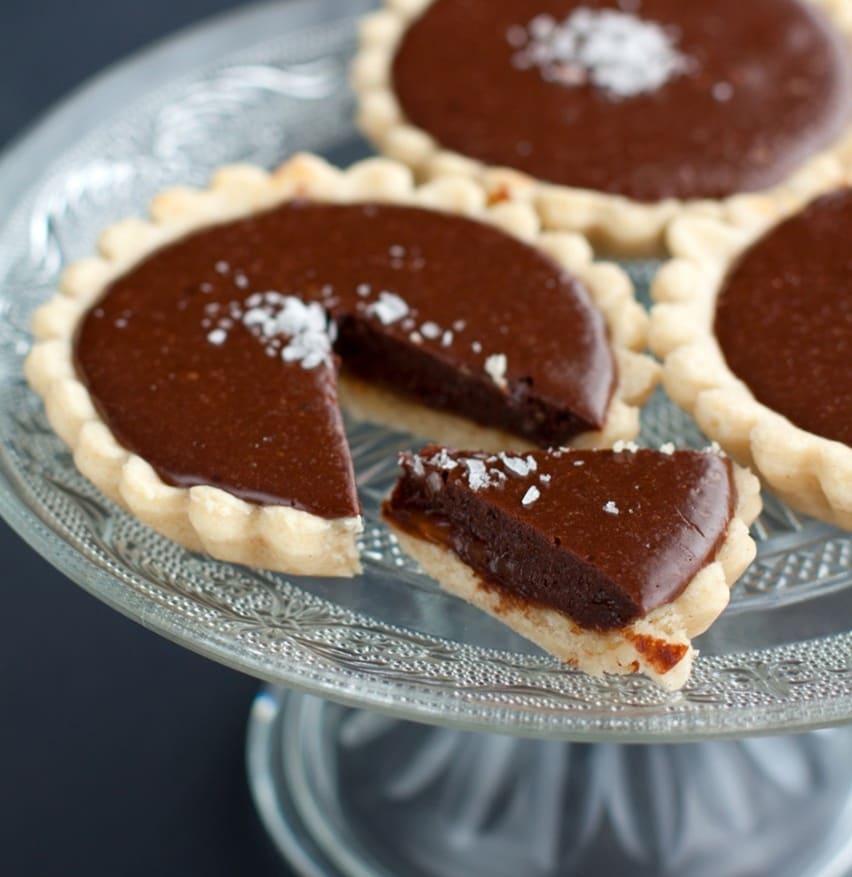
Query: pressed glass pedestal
[403, 733]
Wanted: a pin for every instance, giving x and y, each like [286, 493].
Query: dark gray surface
[128, 759]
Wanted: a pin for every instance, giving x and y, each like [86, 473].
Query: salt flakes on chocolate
[518, 465]
[530, 496]
[390, 308]
[443, 460]
[495, 368]
[270, 315]
[619, 53]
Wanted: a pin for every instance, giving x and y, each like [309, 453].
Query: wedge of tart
[755, 325]
[612, 116]
[612, 560]
[193, 367]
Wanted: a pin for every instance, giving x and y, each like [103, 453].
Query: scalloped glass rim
[396, 643]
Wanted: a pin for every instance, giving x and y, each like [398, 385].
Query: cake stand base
[349, 792]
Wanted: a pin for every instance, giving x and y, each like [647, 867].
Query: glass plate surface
[256, 86]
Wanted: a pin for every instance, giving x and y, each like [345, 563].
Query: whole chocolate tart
[611, 560]
[755, 325]
[195, 368]
[610, 114]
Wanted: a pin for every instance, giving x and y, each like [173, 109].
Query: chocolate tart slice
[193, 367]
[611, 116]
[755, 326]
[610, 560]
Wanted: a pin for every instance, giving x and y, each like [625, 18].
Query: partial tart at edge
[614, 223]
[808, 470]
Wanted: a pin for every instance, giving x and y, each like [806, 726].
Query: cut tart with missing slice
[610, 560]
[194, 367]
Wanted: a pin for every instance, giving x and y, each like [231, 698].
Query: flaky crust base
[208, 518]
[612, 223]
[658, 645]
[810, 473]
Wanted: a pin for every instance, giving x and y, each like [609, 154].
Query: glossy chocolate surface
[230, 415]
[608, 537]
[768, 85]
[784, 318]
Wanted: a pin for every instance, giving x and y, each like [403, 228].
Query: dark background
[120, 753]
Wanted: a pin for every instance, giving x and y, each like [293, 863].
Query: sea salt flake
[241, 281]
[443, 460]
[430, 330]
[477, 474]
[363, 289]
[544, 478]
[531, 496]
[217, 336]
[222, 267]
[621, 446]
[497, 477]
[447, 338]
[459, 325]
[611, 508]
[542, 26]
[476, 347]
[668, 448]
[722, 92]
[518, 465]
[495, 368]
[390, 308]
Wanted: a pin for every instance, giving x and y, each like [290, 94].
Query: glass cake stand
[403, 732]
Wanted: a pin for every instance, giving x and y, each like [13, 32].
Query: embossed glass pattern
[780, 658]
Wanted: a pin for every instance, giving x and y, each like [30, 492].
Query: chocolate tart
[754, 323]
[192, 367]
[714, 101]
[610, 560]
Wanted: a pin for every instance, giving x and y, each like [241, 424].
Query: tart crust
[657, 645]
[810, 473]
[613, 223]
[278, 537]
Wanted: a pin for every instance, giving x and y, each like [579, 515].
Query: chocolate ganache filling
[214, 359]
[784, 318]
[697, 99]
[601, 536]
